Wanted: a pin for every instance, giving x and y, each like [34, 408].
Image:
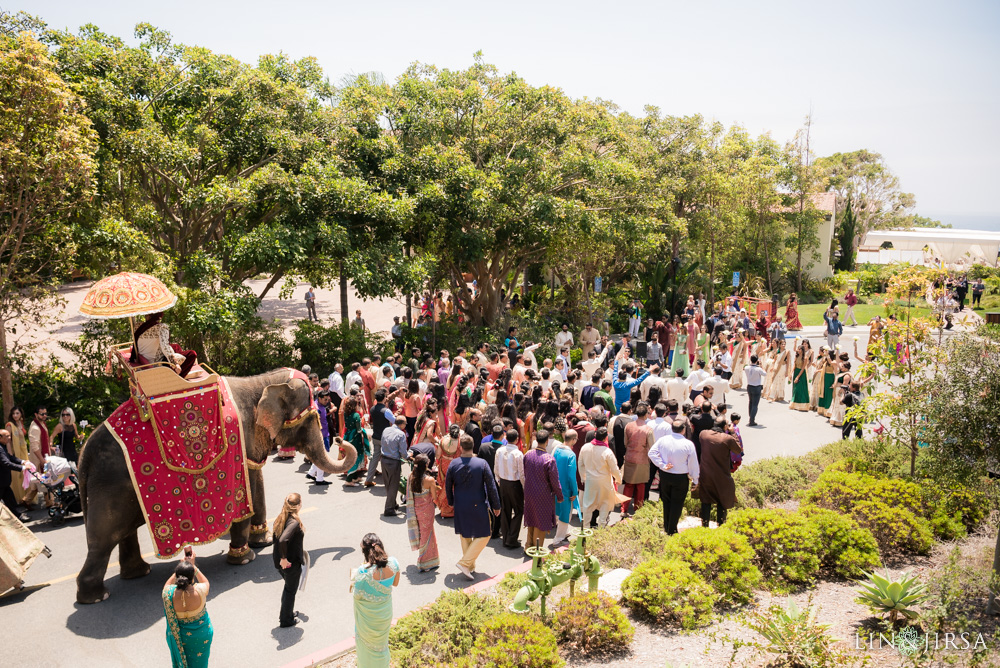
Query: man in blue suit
[472, 491]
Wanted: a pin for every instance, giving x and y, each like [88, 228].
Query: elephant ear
[282, 402]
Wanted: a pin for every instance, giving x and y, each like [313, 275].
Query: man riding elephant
[275, 409]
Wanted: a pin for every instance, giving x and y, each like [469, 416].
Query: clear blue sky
[916, 81]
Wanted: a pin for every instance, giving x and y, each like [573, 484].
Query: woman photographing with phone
[189, 629]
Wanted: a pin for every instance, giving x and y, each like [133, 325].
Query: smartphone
[188, 551]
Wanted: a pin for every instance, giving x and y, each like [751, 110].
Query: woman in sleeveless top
[189, 629]
[372, 586]
[66, 435]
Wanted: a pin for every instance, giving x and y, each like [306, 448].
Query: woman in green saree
[189, 629]
[372, 585]
[356, 436]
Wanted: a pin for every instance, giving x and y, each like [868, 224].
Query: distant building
[823, 267]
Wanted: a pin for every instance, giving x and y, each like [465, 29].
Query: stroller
[62, 486]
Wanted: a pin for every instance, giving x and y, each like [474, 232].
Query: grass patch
[812, 314]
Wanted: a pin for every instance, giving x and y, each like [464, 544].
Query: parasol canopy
[125, 295]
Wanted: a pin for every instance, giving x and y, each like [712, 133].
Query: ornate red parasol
[125, 295]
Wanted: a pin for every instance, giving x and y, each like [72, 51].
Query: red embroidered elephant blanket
[188, 464]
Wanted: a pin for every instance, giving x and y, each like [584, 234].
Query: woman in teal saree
[372, 585]
[356, 436]
[189, 629]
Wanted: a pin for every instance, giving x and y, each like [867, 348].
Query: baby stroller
[62, 486]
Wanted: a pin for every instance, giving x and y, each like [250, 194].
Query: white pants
[316, 472]
[562, 530]
[832, 340]
[602, 515]
[850, 316]
[633, 327]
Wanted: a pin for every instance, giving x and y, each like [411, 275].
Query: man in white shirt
[509, 472]
[564, 338]
[589, 337]
[678, 389]
[353, 377]
[654, 380]
[725, 360]
[697, 379]
[337, 380]
[529, 354]
[397, 334]
[719, 386]
[517, 373]
[564, 356]
[593, 361]
[755, 384]
[561, 370]
[482, 354]
[677, 460]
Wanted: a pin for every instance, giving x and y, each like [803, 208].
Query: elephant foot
[132, 572]
[87, 598]
[261, 538]
[240, 556]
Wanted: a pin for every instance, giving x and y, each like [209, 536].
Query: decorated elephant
[273, 409]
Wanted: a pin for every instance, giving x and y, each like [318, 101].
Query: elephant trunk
[331, 465]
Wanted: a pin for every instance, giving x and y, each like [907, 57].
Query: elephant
[271, 410]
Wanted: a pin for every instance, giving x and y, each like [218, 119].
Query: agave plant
[894, 598]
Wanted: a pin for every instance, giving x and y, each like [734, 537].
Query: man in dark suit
[472, 491]
[474, 430]
[10, 463]
[488, 453]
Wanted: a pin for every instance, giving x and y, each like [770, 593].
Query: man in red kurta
[541, 490]
[367, 381]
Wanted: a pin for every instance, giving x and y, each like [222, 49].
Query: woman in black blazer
[289, 557]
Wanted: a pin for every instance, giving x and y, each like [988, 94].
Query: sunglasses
[65, 414]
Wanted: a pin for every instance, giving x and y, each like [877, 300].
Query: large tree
[864, 177]
[46, 164]
[498, 168]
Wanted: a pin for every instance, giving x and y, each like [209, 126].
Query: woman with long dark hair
[289, 556]
[189, 628]
[372, 585]
[421, 492]
[356, 436]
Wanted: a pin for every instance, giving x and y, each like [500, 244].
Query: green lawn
[812, 314]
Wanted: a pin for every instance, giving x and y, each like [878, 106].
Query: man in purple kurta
[541, 490]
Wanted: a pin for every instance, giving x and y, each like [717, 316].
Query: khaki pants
[471, 549]
[535, 537]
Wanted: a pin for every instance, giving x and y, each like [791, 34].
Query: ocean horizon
[966, 221]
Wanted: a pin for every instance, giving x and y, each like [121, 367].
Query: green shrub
[441, 632]
[897, 530]
[509, 585]
[670, 592]
[956, 510]
[322, 347]
[785, 544]
[846, 549]
[650, 513]
[773, 480]
[892, 509]
[592, 623]
[721, 557]
[513, 641]
[626, 544]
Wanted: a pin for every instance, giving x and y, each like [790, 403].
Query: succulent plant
[894, 598]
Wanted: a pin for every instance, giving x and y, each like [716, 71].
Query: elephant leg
[260, 534]
[130, 557]
[90, 582]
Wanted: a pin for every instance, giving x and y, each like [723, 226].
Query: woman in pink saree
[420, 492]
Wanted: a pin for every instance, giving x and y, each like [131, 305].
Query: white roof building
[951, 246]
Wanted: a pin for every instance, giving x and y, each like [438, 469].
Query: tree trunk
[767, 256]
[344, 315]
[711, 272]
[6, 382]
[798, 258]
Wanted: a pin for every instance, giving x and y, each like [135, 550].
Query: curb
[337, 650]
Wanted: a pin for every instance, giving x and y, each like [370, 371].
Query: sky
[915, 81]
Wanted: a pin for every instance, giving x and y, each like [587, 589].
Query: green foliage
[592, 623]
[784, 543]
[441, 632]
[897, 530]
[626, 544]
[797, 638]
[670, 592]
[892, 598]
[322, 346]
[513, 641]
[955, 590]
[449, 334]
[508, 587]
[844, 548]
[773, 480]
[846, 231]
[722, 558]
